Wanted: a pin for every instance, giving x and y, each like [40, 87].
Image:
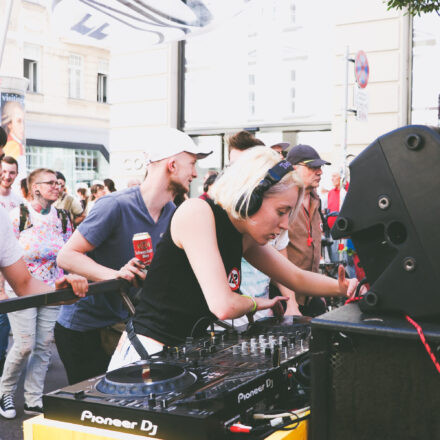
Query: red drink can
[143, 247]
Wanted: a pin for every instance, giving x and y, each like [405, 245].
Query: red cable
[419, 331]
[423, 340]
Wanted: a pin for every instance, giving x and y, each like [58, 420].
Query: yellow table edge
[39, 428]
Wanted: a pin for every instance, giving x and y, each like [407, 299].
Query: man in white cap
[101, 249]
[281, 148]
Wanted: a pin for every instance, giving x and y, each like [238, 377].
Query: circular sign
[361, 69]
[234, 278]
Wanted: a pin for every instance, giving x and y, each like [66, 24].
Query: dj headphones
[272, 177]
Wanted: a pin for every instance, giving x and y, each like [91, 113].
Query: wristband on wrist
[254, 307]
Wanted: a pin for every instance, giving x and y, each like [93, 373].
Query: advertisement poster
[12, 120]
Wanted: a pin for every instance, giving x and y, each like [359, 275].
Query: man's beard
[6, 185]
[176, 188]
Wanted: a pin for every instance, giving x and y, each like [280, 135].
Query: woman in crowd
[41, 230]
[82, 195]
[109, 186]
[96, 192]
[195, 273]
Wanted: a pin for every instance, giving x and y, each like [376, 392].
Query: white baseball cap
[166, 142]
[283, 145]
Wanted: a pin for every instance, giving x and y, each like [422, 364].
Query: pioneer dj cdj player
[197, 390]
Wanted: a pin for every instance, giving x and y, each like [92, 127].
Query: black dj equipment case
[372, 378]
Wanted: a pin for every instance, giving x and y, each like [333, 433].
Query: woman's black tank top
[172, 302]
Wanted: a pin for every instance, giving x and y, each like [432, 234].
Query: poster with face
[12, 120]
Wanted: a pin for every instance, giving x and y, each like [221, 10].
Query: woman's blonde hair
[233, 188]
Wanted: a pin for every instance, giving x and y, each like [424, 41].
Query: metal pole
[345, 116]
[5, 30]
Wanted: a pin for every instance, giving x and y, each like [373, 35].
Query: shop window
[86, 160]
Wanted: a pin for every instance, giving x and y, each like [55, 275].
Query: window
[86, 160]
[251, 97]
[75, 76]
[292, 102]
[30, 71]
[34, 158]
[31, 59]
[101, 95]
[292, 12]
[102, 88]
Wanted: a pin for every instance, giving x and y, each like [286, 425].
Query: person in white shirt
[15, 271]
[8, 198]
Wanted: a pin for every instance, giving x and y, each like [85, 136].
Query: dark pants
[81, 353]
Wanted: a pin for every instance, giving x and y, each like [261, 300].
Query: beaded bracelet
[254, 308]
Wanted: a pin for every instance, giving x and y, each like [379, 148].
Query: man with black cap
[304, 248]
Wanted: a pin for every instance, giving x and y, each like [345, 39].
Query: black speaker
[391, 212]
[372, 378]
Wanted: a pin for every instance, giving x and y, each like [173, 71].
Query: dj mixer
[199, 389]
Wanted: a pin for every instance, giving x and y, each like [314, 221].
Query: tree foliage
[415, 7]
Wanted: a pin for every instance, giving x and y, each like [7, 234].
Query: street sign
[361, 103]
[361, 69]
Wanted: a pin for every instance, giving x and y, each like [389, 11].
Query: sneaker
[33, 409]
[7, 408]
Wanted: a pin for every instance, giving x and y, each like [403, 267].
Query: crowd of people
[248, 247]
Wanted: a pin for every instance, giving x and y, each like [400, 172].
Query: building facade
[276, 69]
[67, 115]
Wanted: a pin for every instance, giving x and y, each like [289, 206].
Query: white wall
[143, 94]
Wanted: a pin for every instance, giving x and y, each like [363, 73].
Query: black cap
[306, 154]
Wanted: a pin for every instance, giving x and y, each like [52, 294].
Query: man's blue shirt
[110, 227]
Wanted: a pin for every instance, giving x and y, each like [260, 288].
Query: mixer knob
[203, 352]
[212, 349]
[276, 357]
[235, 349]
[164, 403]
[206, 344]
[267, 352]
[152, 399]
[244, 347]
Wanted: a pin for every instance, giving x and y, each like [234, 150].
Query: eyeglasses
[50, 183]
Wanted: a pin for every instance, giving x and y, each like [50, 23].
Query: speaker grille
[382, 388]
